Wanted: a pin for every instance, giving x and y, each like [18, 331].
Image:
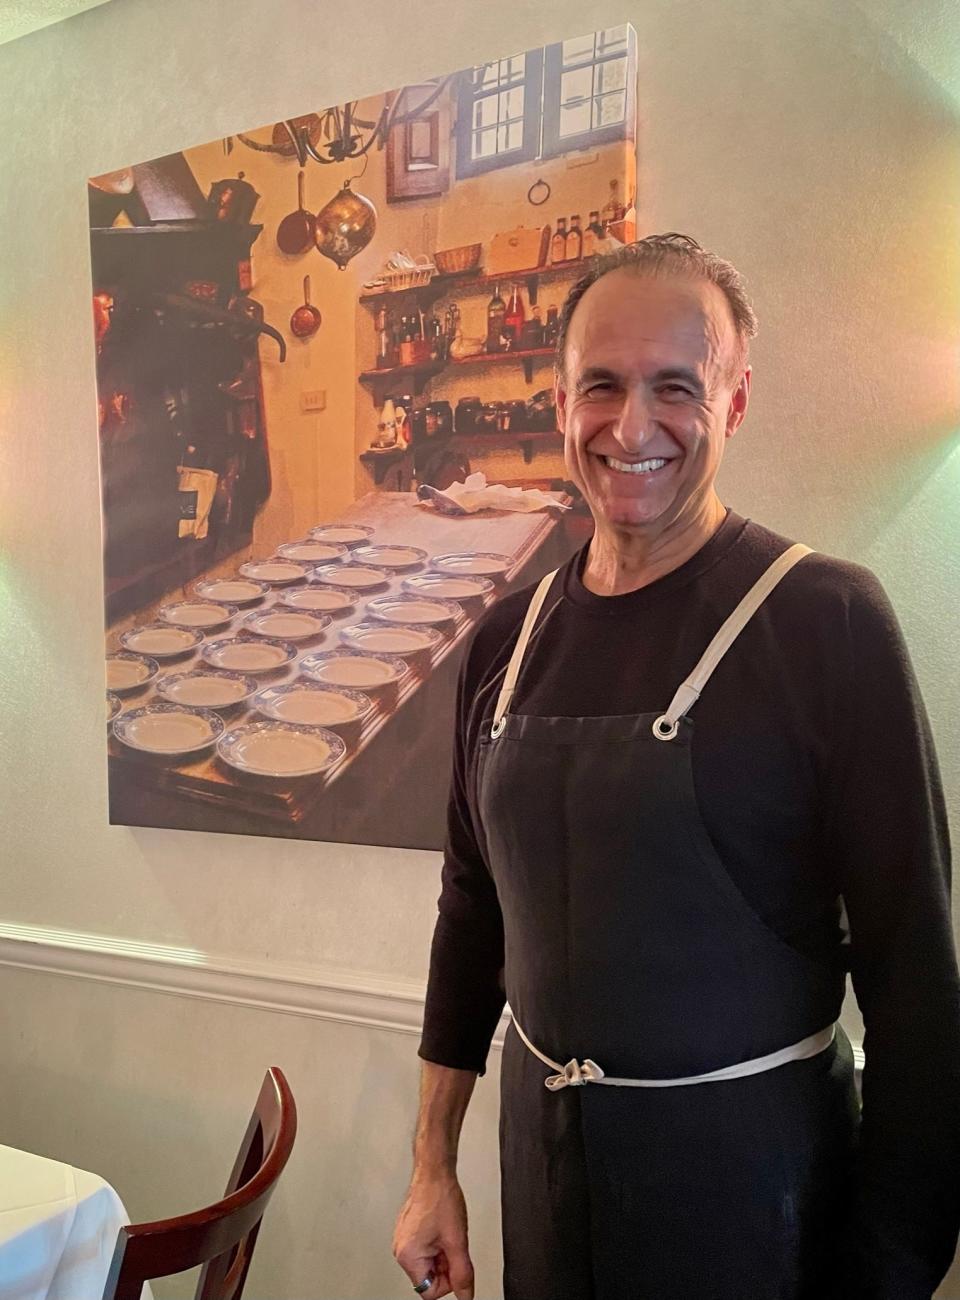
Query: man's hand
[430, 1239]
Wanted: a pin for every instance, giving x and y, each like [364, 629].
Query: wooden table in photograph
[393, 792]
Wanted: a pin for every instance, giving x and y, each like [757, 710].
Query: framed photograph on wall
[308, 335]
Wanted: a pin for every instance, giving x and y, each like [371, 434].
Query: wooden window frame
[554, 144]
[532, 113]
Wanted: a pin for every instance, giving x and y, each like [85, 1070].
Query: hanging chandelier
[348, 222]
[338, 134]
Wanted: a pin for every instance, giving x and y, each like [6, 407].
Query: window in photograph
[498, 122]
[573, 95]
[589, 87]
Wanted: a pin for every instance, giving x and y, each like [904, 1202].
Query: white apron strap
[666, 726]
[577, 1073]
[516, 659]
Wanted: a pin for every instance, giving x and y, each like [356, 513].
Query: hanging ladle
[306, 319]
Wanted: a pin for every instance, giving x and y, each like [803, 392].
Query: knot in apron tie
[574, 1075]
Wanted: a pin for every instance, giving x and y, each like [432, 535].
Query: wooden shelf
[475, 281]
[416, 376]
[528, 440]
[527, 358]
[379, 460]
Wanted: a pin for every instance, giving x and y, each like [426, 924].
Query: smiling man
[693, 786]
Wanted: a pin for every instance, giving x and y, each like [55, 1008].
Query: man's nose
[635, 424]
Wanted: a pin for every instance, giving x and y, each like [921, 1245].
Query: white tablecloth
[58, 1229]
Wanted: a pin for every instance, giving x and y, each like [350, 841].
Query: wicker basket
[396, 281]
[453, 261]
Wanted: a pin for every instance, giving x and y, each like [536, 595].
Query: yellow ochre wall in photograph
[148, 977]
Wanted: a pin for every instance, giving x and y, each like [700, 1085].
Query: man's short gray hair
[668, 254]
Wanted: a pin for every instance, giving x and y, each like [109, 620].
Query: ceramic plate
[313, 551]
[206, 689]
[273, 571]
[231, 591]
[354, 669]
[359, 577]
[390, 556]
[438, 584]
[343, 534]
[113, 706]
[427, 610]
[319, 600]
[260, 656]
[380, 638]
[128, 672]
[281, 749]
[197, 613]
[167, 729]
[161, 640]
[482, 564]
[289, 624]
[313, 704]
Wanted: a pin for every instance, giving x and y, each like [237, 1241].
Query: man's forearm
[444, 1096]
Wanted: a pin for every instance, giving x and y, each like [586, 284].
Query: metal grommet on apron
[631, 955]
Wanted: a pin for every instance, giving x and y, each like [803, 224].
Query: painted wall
[805, 142]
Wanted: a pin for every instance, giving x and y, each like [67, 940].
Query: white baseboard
[318, 992]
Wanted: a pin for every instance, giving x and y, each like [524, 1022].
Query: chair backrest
[222, 1236]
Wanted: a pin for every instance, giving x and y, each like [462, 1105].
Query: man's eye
[675, 390]
[601, 386]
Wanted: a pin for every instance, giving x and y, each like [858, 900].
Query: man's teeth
[639, 467]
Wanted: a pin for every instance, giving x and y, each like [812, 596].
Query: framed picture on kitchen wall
[327, 431]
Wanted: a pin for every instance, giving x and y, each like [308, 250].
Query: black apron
[628, 944]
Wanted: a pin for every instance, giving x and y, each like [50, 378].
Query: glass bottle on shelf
[592, 235]
[514, 319]
[613, 208]
[552, 326]
[558, 245]
[496, 319]
[574, 239]
[384, 339]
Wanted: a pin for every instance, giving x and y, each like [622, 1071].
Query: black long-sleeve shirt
[816, 776]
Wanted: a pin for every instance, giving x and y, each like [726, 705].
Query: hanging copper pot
[306, 319]
[345, 226]
[232, 200]
[297, 231]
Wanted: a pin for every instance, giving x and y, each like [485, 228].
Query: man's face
[649, 395]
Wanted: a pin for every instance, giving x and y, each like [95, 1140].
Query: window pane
[509, 137]
[610, 109]
[485, 143]
[484, 112]
[576, 119]
[611, 38]
[502, 72]
[576, 87]
[511, 105]
[611, 76]
[578, 50]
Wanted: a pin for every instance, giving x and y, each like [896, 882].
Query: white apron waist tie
[577, 1073]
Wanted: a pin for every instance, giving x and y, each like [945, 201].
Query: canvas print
[327, 432]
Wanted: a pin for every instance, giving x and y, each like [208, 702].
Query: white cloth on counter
[58, 1229]
[475, 493]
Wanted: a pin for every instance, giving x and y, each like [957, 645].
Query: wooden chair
[222, 1236]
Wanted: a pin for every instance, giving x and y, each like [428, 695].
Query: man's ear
[739, 401]
[560, 398]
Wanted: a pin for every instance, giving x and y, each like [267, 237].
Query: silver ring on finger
[425, 1285]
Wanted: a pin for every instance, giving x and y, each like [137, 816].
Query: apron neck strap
[516, 659]
[665, 727]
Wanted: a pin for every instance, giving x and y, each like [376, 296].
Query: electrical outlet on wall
[314, 401]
